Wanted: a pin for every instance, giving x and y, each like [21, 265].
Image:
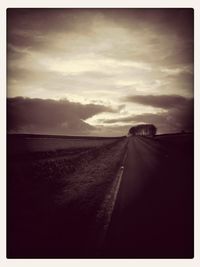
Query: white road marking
[105, 212]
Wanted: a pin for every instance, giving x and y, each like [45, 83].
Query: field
[56, 187]
[22, 144]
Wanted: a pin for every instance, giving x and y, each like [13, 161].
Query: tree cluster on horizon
[143, 129]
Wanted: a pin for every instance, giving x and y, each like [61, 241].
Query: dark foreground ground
[53, 198]
[55, 189]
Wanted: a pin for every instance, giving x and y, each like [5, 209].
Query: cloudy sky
[99, 71]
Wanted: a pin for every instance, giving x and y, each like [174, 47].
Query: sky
[99, 71]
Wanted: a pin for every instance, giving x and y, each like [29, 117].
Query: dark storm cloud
[169, 32]
[160, 101]
[174, 120]
[34, 28]
[47, 19]
[50, 116]
[179, 114]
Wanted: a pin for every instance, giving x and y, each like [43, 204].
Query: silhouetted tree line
[143, 129]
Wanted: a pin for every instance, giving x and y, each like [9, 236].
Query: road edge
[106, 209]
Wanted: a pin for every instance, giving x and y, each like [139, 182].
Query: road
[153, 213]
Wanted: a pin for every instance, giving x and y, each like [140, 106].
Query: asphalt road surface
[153, 214]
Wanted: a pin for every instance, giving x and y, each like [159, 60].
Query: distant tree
[132, 130]
[143, 129]
[153, 130]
